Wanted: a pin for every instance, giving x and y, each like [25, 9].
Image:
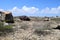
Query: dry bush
[41, 27]
[44, 25]
[4, 30]
[24, 26]
[42, 32]
[56, 20]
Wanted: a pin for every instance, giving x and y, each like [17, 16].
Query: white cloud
[51, 10]
[1, 9]
[30, 9]
[46, 10]
[25, 9]
[34, 10]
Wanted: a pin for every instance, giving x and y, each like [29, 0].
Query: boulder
[24, 18]
[5, 24]
[58, 27]
[9, 18]
[46, 19]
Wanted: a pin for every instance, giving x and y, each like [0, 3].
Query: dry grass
[34, 30]
[24, 26]
[40, 32]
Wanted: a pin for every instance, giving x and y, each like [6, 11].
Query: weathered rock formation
[46, 19]
[9, 18]
[58, 27]
[6, 16]
[24, 18]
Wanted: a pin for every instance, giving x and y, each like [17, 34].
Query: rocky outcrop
[9, 18]
[58, 27]
[46, 19]
[24, 18]
[6, 16]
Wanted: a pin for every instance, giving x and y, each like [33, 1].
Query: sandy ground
[29, 34]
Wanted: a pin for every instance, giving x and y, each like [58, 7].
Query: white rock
[6, 24]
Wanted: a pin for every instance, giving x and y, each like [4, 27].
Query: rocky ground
[33, 30]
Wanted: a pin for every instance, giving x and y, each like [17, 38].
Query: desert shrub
[8, 27]
[4, 31]
[24, 26]
[41, 32]
[41, 27]
[1, 24]
[56, 19]
[3, 28]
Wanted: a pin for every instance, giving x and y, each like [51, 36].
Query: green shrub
[8, 27]
[1, 24]
[3, 28]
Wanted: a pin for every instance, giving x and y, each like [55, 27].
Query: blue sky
[38, 7]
